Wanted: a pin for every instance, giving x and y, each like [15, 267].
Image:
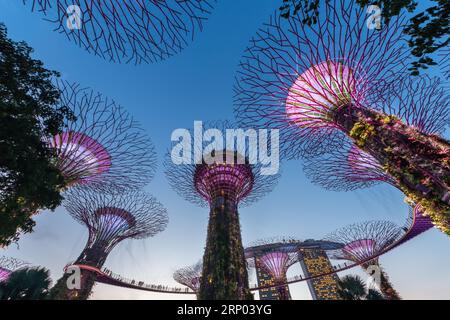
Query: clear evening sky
[197, 85]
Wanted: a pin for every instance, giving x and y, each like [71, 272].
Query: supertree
[137, 31]
[421, 102]
[363, 243]
[110, 218]
[103, 147]
[8, 265]
[314, 82]
[275, 258]
[223, 179]
[189, 276]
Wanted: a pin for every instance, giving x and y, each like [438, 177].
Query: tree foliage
[352, 287]
[29, 181]
[26, 284]
[428, 29]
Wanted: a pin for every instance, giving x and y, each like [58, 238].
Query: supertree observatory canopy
[8, 265]
[189, 276]
[363, 243]
[224, 179]
[219, 172]
[110, 218]
[104, 147]
[313, 82]
[294, 77]
[364, 240]
[277, 263]
[138, 31]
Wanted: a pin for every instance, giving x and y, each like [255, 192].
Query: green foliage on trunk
[224, 275]
[420, 163]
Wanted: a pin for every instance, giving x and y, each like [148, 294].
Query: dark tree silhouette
[352, 287]
[29, 179]
[26, 284]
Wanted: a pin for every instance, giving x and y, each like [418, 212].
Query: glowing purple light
[365, 167]
[112, 222]
[224, 179]
[80, 158]
[360, 249]
[317, 92]
[4, 274]
[276, 263]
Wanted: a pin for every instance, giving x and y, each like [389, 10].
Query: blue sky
[197, 85]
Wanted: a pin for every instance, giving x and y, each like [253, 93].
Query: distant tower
[265, 279]
[222, 179]
[271, 259]
[363, 241]
[110, 219]
[138, 31]
[314, 261]
[8, 265]
[190, 276]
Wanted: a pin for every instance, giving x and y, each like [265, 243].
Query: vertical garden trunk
[94, 257]
[283, 291]
[224, 274]
[419, 163]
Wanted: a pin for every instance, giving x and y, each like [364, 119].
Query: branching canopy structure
[346, 168]
[445, 62]
[364, 240]
[294, 77]
[104, 147]
[314, 81]
[363, 243]
[8, 265]
[138, 31]
[420, 102]
[277, 263]
[223, 179]
[189, 276]
[110, 219]
[200, 183]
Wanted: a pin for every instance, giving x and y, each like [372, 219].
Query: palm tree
[352, 287]
[26, 284]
